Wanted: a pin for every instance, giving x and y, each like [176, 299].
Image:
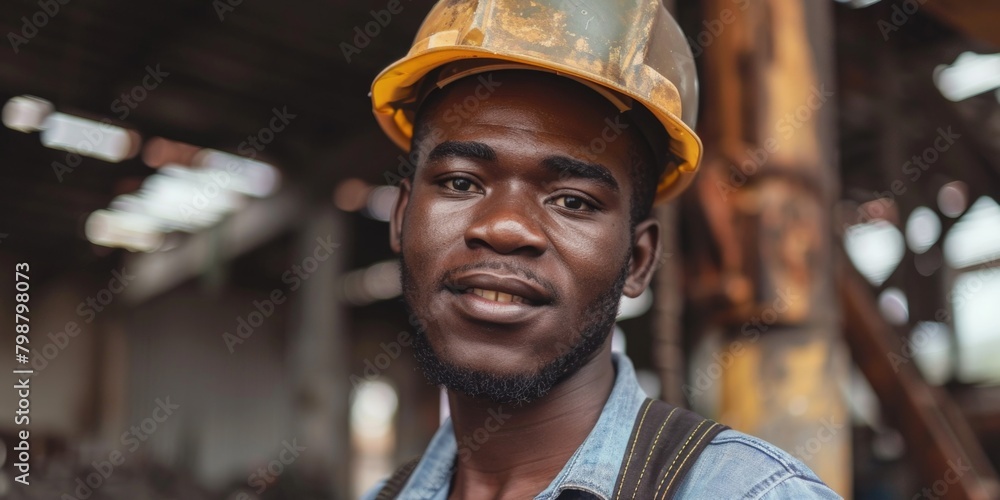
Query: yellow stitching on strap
[637, 430]
[688, 456]
[695, 431]
[650, 455]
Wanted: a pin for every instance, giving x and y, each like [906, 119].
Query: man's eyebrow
[564, 165]
[462, 149]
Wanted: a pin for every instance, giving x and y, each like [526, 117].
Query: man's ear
[396, 218]
[646, 251]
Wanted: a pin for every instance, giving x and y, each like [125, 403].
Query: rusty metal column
[760, 266]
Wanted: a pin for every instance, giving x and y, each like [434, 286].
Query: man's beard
[522, 388]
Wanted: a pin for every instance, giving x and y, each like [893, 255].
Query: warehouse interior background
[201, 192]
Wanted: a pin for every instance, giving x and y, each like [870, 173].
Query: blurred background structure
[202, 194]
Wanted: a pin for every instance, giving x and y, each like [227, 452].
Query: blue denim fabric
[734, 465]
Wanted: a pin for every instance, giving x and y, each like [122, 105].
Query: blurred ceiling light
[953, 199]
[923, 229]
[112, 228]
[377, 282]
[178, 198]
[971, 74]
[630, 308]
[931, 345]
[250, 177]
[381, 280]
[373, 409]
[974, 300]
[351, 195]
[26, 113]
[187, 199]
[89, 138]
[894, 306]
[975, 238]
[875, 248]
[381, 200]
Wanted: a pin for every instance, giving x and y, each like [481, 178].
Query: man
[526, 219]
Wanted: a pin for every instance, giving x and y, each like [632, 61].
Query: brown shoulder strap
[665, 442]
[394, 485]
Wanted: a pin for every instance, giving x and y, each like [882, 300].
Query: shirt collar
[592, 468]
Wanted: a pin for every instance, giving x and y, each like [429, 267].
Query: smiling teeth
[497, 296]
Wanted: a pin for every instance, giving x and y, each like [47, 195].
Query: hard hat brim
[396, 89]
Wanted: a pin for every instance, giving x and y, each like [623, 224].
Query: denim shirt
[734, 465]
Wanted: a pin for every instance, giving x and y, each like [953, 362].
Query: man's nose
[508, 225]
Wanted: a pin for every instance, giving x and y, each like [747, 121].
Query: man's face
[515, 235]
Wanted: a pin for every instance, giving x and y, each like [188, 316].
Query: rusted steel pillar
[758, 260]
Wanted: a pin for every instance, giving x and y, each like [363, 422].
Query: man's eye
[572, 202]
[459, 184]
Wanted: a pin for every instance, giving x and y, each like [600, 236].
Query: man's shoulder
[735, 464]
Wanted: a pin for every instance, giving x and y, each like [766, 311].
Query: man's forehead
[534, 95]
[529, 104]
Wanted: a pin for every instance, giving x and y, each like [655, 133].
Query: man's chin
[479, 379]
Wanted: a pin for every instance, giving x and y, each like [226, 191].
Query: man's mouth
[497, 296]
[502, 288]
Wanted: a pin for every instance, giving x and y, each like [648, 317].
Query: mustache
[447, 280]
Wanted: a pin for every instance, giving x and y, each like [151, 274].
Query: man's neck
[506, 452]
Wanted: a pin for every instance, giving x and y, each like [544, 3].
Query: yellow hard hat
[631, 51]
